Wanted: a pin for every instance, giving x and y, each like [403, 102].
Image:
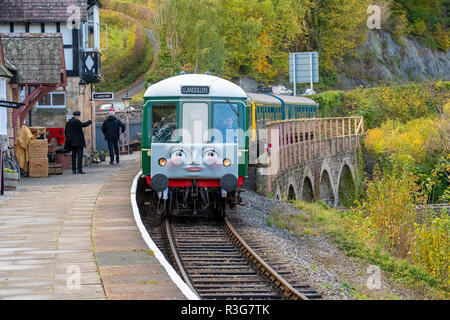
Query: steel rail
[265, 269]
[269, 272]
[177, 259]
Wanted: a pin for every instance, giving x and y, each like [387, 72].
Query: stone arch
[278, 195]
[306, 183]
[346, 187]
[292, 190]
[307, 190]
[327, 193]
[350, 165]
[291, 195]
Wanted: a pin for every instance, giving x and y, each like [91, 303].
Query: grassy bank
[357, 237]
[129, 54]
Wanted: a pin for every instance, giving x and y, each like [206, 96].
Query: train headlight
[227, 162]
[162, 162]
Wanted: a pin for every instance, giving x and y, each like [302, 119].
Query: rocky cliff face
[381, 60]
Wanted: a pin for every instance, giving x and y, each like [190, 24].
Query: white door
[3, 111]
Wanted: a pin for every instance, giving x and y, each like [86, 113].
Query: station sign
[10, 104]
[195, 90]
[101, 96]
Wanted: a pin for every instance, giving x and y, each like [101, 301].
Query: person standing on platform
[75, 141]
[111, 129]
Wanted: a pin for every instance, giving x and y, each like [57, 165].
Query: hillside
[383, 61]
[252, 39]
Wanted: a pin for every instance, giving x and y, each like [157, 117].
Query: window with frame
[226, 122]
[165, 123]
[53, 100]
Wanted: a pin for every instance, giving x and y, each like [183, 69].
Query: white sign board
[102, 96]
[304, 68]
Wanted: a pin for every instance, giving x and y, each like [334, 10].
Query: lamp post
[126, 102]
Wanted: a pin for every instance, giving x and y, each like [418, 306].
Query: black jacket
[74, 133]
[111, 128]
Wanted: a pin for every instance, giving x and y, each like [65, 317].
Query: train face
[195, 148]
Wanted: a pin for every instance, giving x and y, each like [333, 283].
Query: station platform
[74, 237]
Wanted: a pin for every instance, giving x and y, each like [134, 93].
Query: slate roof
[37, 57]
[40, 10]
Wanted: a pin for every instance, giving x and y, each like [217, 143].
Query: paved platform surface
[55, 230]
[128, 268]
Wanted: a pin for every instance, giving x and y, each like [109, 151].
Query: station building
[48, 102]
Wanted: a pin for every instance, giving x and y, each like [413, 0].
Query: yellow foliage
[389, 209]
[408, 142]
[432, 246]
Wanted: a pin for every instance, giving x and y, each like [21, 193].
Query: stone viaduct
[309, 159]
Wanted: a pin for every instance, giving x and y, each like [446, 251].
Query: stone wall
[324, 174]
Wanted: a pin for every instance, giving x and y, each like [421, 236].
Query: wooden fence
[301, 140]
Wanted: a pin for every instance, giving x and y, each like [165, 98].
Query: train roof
[193, 86]
[259, 98]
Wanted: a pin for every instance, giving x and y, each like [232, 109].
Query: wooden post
[299, 151]
[288, 143]
[309, 139]
[269, 163]
[331, 136]
[337, 135]
[320, 138]
[283, 143]
[343, 134]
[349, 133]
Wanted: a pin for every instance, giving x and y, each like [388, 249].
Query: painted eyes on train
[210, 153]
[211, 157]
[178, 156]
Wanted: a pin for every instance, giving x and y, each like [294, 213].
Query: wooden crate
[37, 149]
[10, 181]
[38, 168]
[37, 154]
[55, 168]
[39, 132]
[38, 145]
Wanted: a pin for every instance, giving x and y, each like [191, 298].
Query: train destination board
[195, 90]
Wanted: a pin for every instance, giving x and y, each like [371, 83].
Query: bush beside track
[129, 54]
[138, 11]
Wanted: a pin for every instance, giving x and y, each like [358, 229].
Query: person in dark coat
[75, 141]
[111, 129]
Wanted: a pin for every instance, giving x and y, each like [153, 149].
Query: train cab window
[165, 123]
[195, 123]
[226, 122]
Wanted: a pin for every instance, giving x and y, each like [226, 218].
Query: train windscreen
[164, 116]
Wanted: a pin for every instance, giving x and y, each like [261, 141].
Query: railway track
[217, 263]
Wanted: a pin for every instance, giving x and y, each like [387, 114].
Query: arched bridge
[309, 159]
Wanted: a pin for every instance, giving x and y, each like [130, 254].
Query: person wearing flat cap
[75, 141]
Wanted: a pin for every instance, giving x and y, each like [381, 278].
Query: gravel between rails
[315, 259]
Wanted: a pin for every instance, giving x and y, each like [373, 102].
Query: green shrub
[129, 54]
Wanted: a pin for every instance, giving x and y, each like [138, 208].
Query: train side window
[226, 121]
[165, 123]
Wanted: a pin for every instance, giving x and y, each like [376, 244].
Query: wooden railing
[302, 140]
